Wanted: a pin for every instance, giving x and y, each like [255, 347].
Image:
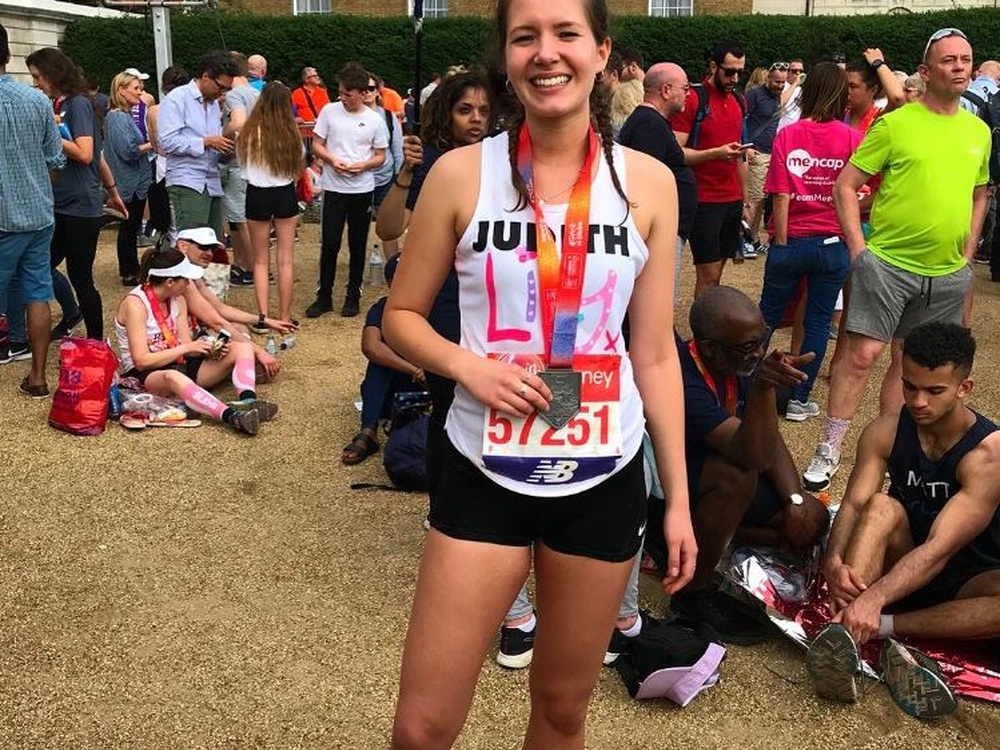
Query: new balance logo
[551, 471]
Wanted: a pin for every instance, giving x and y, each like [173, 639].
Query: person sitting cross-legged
[386, 374]
[922, 559]
[156, 346]
[742, 481]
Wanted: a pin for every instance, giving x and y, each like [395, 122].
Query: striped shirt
[30, 147]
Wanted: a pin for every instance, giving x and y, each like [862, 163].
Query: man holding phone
[710, 129]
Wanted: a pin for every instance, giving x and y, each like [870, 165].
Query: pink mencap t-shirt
[806, 158]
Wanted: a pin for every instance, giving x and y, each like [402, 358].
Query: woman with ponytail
[545, 431]
[156, 346]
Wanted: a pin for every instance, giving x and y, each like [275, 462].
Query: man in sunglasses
[763, 111]
[933, 157]
[742, 481]
[710, 129]
[190, 135]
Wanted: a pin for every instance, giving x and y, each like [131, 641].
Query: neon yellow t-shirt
[929, 165]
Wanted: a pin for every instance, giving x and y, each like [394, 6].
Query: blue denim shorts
[24, 259]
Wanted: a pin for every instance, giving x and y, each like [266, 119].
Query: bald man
[257, 71]
[742, 481]
[665, 87]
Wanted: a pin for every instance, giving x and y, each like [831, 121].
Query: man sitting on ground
[199, 245]
[923, 559]
[742, 480]
[386, 374]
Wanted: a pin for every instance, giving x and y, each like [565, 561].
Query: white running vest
[153, 333]
[498, 280]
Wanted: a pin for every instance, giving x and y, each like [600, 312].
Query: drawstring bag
[87, 368]
[674, 660]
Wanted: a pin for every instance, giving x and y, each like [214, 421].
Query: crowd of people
[536, 305]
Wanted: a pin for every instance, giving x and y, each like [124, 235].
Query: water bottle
[288, 341]
[271, 346]
[114, 402]
[375, 274]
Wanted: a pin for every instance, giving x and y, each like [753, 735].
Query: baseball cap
[185, 269]
[135, 72]
[204, 236]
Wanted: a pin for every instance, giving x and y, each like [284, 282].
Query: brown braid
[600, 108]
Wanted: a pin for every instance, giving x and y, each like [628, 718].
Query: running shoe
[619, 641]
[833, 664]
[824, 465]
[797, 411]
[516, 648]
[14, 352]
[915, 682]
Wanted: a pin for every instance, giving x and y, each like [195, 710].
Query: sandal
[361, 447]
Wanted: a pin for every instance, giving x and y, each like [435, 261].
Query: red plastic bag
[86, 370]
[304, 188]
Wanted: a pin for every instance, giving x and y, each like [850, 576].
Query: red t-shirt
[806, 159]
[718, 179]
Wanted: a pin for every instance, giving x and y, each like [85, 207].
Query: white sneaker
[796, 411]
[824, 465]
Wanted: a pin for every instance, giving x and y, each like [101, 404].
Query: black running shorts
[715, 233]
[605, 522]
[266, 203]
[943, 587]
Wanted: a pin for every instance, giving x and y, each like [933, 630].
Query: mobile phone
[746, 145]
[224, 336]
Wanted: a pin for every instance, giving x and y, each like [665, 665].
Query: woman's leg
[463, 589]
[178, 385]
[239, 362]
[285, 231]
[81, 249]
[127, 243]
[259, 231]
[571, 638]
[781, 280]
[826, 279]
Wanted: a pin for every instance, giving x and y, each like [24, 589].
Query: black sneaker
[319, 307]
[350, 309]
[65, 327]
[247, 422]
[516, 648]
[15, 351]
[34, 391]
[619, 641]
[735, 622]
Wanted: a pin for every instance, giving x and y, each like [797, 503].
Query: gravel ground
[196, 589]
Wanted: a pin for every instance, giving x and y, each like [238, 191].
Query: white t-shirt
[792, 110]
[353, 137]
[497, 274]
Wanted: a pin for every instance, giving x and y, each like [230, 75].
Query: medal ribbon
[731, 397]
[169, 335]
[560, 282]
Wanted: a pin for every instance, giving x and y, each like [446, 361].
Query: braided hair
[513, 110]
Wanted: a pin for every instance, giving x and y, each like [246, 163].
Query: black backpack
[702, 113]
[405, 456]
[989, 112]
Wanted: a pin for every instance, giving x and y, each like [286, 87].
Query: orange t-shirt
[392, 101]
[320, 98]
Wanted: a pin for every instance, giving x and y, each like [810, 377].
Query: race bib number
[530, 450]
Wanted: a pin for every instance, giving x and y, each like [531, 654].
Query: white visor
[185, 269]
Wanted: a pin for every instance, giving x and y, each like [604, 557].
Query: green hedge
[105, 46]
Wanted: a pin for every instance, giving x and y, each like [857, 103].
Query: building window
[303, 7]
[432, 8]
[663, 8]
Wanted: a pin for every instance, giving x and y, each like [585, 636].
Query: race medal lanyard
[560, 281]
[730, 396]
[161, 320]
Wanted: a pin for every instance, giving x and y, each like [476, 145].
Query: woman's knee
[563, 711]
[415, 729]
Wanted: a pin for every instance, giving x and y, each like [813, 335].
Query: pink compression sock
[203, 402]
[244, 376]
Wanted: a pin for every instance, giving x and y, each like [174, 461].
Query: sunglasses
[940, 34]
[748, 349]
[221, 87]
[371, 88]
[731, 72]
[781, 66]
[796, 71]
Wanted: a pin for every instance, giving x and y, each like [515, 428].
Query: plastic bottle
[271, 346]
[375, 263]
[288, 341]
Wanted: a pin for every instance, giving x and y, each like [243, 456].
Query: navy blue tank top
[923, 487]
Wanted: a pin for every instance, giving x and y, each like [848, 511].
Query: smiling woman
[530, 418]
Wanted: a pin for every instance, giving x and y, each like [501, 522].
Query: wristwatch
[260, 320]
[796, 498]
[876, 64]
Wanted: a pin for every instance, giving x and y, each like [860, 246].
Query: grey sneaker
[915, 682]
[247, 422]
[833, 664]
[796, 411]
[824, 465]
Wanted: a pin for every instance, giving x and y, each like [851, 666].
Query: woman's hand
[199, 348]
[281, 326]
[506, 387]
[682, 549]
[413, 152]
